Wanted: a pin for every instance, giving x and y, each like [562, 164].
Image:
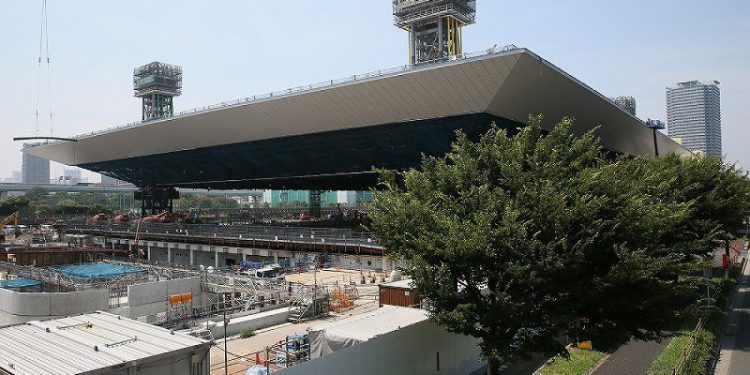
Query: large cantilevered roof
[331, 132]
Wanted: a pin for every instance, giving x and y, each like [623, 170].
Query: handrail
[301, 89]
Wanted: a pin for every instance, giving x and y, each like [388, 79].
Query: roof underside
[331, 138]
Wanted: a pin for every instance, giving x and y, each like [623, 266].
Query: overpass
[107, 189]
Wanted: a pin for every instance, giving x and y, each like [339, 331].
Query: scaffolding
[157, 84]
[434, 27]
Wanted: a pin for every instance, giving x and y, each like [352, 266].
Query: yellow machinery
[15, 218]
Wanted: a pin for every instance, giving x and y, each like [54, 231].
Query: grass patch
[706, 341]
[667, 360]
[247, 332]
[580, 362]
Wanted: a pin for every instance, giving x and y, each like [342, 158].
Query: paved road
[633, 358]
[734, 357]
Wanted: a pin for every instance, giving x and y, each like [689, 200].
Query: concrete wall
[151, 298]
[256, 321]
[170, 364]
[410, 350]
[17, 307]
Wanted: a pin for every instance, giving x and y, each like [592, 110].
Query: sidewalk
[734, 355]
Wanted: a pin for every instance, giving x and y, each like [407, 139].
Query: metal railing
[305, 88]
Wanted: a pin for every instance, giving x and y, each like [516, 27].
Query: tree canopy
[521, 240]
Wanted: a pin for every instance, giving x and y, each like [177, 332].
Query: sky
[235, 49]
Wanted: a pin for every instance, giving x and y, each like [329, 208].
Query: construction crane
[15, 218]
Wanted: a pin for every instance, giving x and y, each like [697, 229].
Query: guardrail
[306, 88]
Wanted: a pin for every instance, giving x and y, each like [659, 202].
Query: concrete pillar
[385, 267]
[275, 256]
[192, 256]
[244, 257]
[148, 252]
[169, 254]
[113, 244]
[130, 246]
[216, 259]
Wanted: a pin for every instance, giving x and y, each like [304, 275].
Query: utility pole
[226, 361]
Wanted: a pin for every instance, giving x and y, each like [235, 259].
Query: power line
[43, 47]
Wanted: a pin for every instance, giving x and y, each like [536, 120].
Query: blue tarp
[99, 270]
[18, 283]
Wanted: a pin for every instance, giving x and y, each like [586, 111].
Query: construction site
[192, 278]
[295, 290]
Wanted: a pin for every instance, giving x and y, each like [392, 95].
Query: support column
[148, 252]
[192, 256]
[216, 259]
[130, 247]
[113, 244]
[244, 257]
[276, 257]
[169, 253]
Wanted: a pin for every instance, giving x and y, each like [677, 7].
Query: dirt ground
[336, 276]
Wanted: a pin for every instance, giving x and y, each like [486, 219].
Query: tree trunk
[493, 366]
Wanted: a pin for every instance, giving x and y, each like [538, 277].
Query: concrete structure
[191, 254]
[329, 136]
[19, 307]
[390, 340]
[125, 188]
[99, 343]
[111, 181]
[694, 115]
[34, 169]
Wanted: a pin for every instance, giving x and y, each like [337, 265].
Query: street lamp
[655, 125]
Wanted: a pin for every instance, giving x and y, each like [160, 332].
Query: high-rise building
[625, 102]
[34, 170]
[694, 115]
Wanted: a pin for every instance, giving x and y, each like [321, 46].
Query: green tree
[522, 240]
[36, 195]
[12, 204]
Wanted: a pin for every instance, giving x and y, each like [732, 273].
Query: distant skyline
[233, 49]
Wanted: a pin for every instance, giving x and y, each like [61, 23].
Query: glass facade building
[694, 116]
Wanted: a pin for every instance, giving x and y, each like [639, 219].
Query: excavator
[15, 218]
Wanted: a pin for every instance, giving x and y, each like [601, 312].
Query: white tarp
[332, 337]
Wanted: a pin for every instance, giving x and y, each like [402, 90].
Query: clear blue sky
[232, 49]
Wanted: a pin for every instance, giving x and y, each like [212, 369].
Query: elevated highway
[99, 188]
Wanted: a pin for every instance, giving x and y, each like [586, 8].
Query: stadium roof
[330, 135]
[86, 343]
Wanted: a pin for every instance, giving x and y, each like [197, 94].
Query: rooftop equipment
[434, 26]
[157, 84]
